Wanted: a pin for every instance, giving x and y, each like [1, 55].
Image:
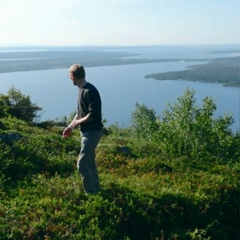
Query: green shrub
[36, 152]
[15, 104]
[162, 189]
[185, 129]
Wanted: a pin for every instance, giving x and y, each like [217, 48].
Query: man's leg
[86, 163]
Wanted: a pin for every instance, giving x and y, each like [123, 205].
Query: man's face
[72, 78]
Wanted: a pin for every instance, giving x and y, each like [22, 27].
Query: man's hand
[67, 132]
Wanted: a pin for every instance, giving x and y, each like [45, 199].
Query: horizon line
[109, 45]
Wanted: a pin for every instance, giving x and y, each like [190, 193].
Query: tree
[144, 121]
[185, 129]
[17, 105]
[4, 105]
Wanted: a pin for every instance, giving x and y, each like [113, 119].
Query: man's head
[78, 71]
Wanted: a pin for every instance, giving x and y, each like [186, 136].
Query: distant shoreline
[44, 60]
[219, 70]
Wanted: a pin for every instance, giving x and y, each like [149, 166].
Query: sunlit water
[121, 87]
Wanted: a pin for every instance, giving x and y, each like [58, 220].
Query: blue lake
[121, 87]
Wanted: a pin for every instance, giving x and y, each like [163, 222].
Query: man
[89, 119]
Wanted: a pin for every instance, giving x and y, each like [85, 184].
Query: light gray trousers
[86, 163]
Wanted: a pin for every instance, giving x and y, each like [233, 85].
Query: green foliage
[4, 105]
[15, 104]
[186, 129]
[36, 152]
[152, 191]
[144, 121]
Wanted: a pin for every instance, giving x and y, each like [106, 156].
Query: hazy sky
[119, 22]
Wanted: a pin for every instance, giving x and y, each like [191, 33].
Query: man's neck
[81, 83]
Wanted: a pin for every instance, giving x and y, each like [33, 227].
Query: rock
[126, 151]
[10, 138]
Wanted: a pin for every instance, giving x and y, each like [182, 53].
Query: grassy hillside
[149, 191]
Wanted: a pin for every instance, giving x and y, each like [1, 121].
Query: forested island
[220, 70]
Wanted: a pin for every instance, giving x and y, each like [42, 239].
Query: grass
[143, 196]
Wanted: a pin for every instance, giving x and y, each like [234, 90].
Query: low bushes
[150, 190]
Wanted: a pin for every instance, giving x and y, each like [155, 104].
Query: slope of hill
[171, 178]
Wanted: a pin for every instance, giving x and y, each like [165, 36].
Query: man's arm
[75, 122]
[68, 130]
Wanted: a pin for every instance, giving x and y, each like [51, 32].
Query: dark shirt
[89, 101]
